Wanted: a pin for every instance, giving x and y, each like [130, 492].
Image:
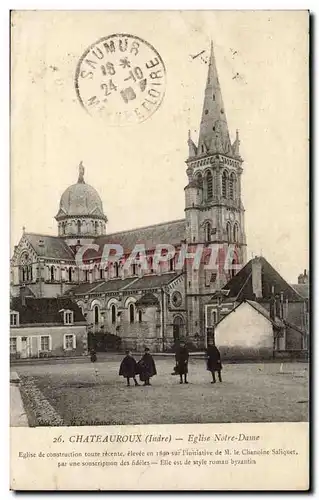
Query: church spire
[81, 174]
[213, 134]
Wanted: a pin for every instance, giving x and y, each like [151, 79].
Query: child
[128, 368]
[146, 367]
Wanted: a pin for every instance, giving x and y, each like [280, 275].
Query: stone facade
[116, 299]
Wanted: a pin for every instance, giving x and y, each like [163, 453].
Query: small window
[113, 314]
[45, 343]
[209, 185]
[116, 268]
[14, 319]
[229, 232]
[171, 264]
[206, 111]
[70, 273]
[86, 275]
[140, 316]
[13, 345]
[68, 317]
[69, 341]
[101, 274]
[208, 231]
[132, 313]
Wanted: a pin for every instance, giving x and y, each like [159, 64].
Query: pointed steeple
[213, 134]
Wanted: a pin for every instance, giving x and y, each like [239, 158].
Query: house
[259, 284]
[249, 331]
[45, 327]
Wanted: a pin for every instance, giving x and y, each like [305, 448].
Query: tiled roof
[241, 287]
[172, 232]
[149, 282]
[302, 289]
[147, 300]
[116, 285]
[45, 310]
[52, 246]
[83, 288]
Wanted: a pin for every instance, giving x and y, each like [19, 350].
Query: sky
[139, 170]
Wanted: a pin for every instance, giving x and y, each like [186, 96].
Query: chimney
[23, 294]
[257, 277]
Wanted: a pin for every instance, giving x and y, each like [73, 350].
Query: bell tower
[213, 206]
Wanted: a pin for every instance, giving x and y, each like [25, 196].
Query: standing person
[93, 355]
[146, 367]
[182, 356]
[128, 368]
[214, 362]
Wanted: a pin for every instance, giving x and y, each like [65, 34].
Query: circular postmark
[121, 78]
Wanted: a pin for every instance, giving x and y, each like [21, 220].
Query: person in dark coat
[128, 368]
[146, 367]
[181, 357]
[93, 355]
[214, 362]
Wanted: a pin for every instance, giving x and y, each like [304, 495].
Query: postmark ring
[121, 78]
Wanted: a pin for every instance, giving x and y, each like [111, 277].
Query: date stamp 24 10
[121, 78]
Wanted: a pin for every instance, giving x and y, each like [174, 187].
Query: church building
[157, 305]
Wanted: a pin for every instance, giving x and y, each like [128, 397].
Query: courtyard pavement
[93, 393]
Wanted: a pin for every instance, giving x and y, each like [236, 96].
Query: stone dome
[80, 200]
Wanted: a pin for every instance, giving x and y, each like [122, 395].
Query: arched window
[236, 233]
[86, 275]
[224, 184]
[171, 264]
[52, 273]
[228, 229]
[96, 315]
[150, 264]
[113, 314]
[199, 179]
[208, 231]
[132, 313]
[209, 185]
[116, 269]
[134, 268]
[79, 226]
[70, 273]
[232, 186]
[96, 225]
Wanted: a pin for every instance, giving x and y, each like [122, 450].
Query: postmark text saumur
[121, 78]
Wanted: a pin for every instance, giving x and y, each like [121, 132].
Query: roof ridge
[142, 227]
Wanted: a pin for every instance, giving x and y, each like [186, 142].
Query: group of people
[146, 368]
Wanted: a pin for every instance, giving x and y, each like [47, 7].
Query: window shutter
[50, 343]
[64, 341]
[74, 341]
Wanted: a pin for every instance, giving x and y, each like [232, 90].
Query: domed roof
[81, 199]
